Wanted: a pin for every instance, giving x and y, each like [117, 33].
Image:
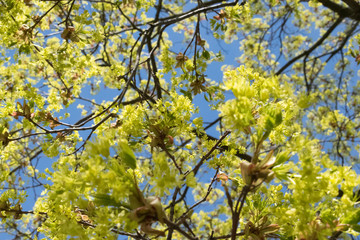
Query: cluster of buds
[254, 174]
[70, 34]
[146, 211]
[160, 136]
[83, 215]
[261, 230]
[198, 85]
[116, 124]
[317, 226]
[66, 95]
[47, 117]
[24, 33]
[23, 111]
[4, 138]
[200, 42]
[6, 210]
[222, 16]
[180, 60]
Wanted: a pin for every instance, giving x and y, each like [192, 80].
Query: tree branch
[204, 158]
[313, 47]
[342, 11]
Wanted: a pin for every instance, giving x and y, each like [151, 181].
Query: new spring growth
[180, 61]
[262, 229]
[223, 177]
[254, 174]
[146, 211]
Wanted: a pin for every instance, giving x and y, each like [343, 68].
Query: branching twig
[206, 156]
[200, 201]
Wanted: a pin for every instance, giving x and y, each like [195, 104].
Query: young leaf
[354, 218]
[127, 155]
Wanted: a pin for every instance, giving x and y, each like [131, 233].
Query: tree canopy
[103, 132]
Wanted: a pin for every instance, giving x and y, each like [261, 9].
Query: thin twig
[206, 156]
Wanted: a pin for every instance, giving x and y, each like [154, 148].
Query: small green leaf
[206, 54]
[117, 168]
[127, 155]
[186, 93]
[278, 118]
[25, 48]
[191, 180]
[269, 124]
[107, 200]
[356, 227]
[353, 218]
[281, 172]
[282, 157]
[12, 44]
[207, 98]
[352, 53]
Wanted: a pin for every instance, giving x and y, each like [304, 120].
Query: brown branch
[40, 18]
[237, 211]
[114, 230]
[153, 68]
[207, 6]
[128, 19]
[172, 158]
[158, 10]
[177, 228]
[172, 212]
[223, 148]
[352, 4]
[227, 236]
[68, 15]
[342, 11]
[331, 54]
[229, 200]
[65, 130]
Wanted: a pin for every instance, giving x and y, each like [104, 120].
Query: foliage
[101, 133]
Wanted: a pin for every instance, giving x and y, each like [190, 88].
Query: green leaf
[206, 55]
[12, 44]
[353, 218]
[10, 5]
[107, 200]
[282, 157]
[25, 48]
[207, 98]
[356, 227]
[282, 172]
[117, 168]
[191, 180]
[104, 199]
[127, 155]
[352, 53]
[278, 118]
[186, 93]
[269, 125]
